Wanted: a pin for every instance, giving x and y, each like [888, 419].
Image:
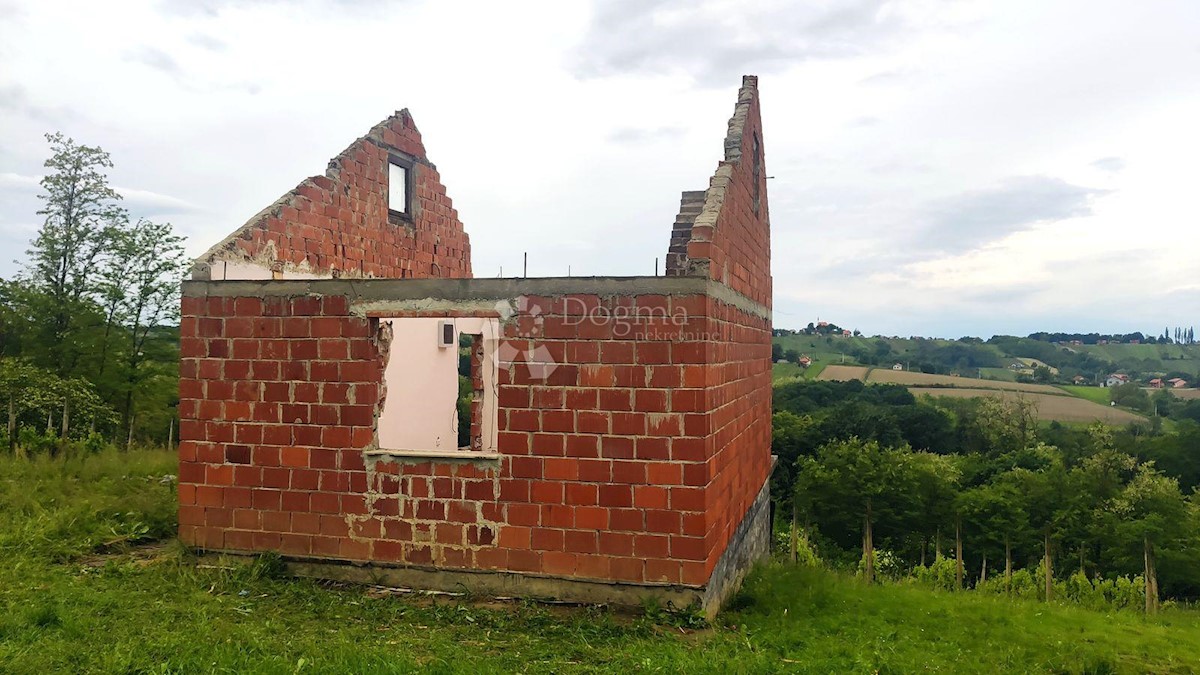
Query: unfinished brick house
[619, 436]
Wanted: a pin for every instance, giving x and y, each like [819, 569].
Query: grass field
[1057, 408]
[1164, 358]
[998, 374]
[91, 581]
[1098, 395]
[782, 373]
[1062, 404]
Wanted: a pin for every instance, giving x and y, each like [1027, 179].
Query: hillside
[1073, 404]
[92, 581]
[998, 358]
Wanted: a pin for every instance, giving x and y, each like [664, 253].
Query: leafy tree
[996, 513]
[1041, 497]
[155, 254]
[854, 479]
[1153, 515]
[1130, 395]
[81, 213]
[936, 480]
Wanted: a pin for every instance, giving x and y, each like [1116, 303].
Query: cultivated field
[1059, 407]
[888, 376]
[1186, 394]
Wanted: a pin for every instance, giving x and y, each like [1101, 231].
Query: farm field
[91, 580]
[1152, 357]
[1099, 395]
[888, 376]
[1049, 407]
[1186, 394]
[998, 374]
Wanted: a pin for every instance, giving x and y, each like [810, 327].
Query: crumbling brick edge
[750, 544]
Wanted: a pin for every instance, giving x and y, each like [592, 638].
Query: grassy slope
[64, 610]
[1094, 394]
[1163, 357]
[1166, 357]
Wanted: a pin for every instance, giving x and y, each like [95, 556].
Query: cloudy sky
[940, 168]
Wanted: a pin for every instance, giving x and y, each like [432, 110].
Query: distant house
[805, 361]
[846, 333]
[1102, 342]
[897, 366]
[1156, 383]
[822, 324]
[1116, 380]
[1079, 379]
[1177, 382]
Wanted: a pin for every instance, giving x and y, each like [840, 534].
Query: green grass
[782, 373]
[1002, 374]
[1094, 394]
[82, 589]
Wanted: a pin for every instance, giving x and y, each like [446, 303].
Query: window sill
[460, 455]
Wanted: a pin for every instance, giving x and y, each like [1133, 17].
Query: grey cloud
[883, 78]
[212, 44]
[1111, 164]
[14, 98]
[154, 58]
[212, 8]
[634, 135]
[714, 44]
[970, 219]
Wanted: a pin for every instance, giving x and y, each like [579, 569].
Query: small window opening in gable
[400, 187]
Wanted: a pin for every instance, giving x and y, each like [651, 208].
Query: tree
[1041, 494]
[936, 483]
[155, 254]
[1130, 395]
[857, 480]
[996, 514]
[80, 215]
[1153, 514]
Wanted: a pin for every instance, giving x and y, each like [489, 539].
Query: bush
[806, 553]
[36, 441]
[942, 574]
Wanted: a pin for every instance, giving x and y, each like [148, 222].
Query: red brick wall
[740, 248]
[739, 396]
[631, 460]
[340, 221]
[731, 237]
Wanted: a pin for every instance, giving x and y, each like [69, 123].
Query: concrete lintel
[379, 294]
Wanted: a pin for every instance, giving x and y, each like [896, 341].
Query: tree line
[978, 489]
[89, 325]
